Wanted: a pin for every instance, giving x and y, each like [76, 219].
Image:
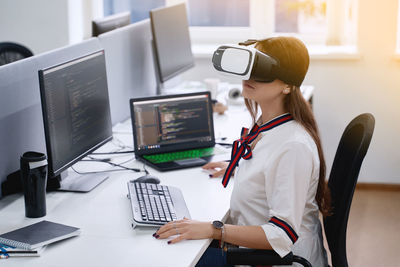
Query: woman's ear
[286, 89]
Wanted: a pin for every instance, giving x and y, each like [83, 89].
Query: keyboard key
[159, 208]
[166, 210]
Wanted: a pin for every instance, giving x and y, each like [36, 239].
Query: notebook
[7, 251]
[175, 131]
[38, 234]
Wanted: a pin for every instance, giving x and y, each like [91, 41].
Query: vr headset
[247, 63]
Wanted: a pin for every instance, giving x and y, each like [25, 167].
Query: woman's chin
[247, 92]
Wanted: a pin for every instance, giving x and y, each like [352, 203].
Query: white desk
[104, 215]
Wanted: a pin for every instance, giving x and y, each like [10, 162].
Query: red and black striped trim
[285, 227]
[241, 147]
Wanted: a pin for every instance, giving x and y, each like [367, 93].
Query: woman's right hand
[217, 168]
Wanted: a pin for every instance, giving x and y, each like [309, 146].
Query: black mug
[34, 181]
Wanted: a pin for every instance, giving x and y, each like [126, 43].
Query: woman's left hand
[185, 229]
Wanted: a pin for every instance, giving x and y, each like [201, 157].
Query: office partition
[21, 123]
[130, 66]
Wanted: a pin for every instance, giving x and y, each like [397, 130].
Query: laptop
[175, 131]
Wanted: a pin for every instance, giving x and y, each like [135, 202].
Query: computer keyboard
[179, 155]
[155, 204]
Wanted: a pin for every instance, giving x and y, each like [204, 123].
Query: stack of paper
[7, 251]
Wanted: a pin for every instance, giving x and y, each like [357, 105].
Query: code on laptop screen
[167, 122]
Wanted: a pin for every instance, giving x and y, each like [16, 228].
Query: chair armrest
[247, 256]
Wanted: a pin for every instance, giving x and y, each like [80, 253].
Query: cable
[144, 168]
[96, 171]
[113, 164]
[119, 143]
[224, 144]
[106, 160]
[111, 153]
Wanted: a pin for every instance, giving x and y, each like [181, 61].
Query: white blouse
[276, 189]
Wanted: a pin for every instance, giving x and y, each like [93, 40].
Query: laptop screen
[172, 123]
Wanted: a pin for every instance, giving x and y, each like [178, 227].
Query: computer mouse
[148, 179]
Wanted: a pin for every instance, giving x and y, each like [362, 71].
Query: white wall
[41, 25]
[346, 88]
[44, 25]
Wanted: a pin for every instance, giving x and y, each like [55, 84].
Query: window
[228, 13]
[304, 17]
[221, 13]
[317, 22]
[398, 32]
[320, 22]
[139, 8]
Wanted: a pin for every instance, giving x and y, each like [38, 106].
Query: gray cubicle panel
[130, 66]
[21, 123]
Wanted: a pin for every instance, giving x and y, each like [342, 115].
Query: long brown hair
[293, 56]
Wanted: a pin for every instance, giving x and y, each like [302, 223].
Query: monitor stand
[74, 182]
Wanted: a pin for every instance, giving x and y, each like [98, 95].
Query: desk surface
[104, 215]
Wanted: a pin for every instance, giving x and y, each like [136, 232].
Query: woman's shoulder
[297, 133]
[292, 135]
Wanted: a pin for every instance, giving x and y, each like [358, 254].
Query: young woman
[279, 189]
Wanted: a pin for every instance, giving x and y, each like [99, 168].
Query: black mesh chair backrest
[10, 52]
[342, 181]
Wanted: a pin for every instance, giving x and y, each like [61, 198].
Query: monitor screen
[171, 40]
[110, 23]
[172, 122]
[76, 110]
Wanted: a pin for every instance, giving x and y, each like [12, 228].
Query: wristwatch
[220, 226]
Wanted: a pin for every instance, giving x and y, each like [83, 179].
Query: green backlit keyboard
[187, 154]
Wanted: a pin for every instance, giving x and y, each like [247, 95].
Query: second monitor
[110, 23]
[171, 42]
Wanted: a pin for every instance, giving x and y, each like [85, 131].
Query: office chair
[342, 181]
[346, 166]
[10, 52]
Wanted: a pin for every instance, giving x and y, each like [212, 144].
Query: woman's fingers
[213, 165]
[167, 234]
[170, 227]
[185, 229]
[219, 173]
[218, 167]
[210, 165]
[164, 228]
[177, 239]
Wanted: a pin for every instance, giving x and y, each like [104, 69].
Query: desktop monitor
[171, 42]
[110, 23]
[76, 116]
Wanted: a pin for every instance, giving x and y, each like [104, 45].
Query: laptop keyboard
[179, 155]
[155, 203]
